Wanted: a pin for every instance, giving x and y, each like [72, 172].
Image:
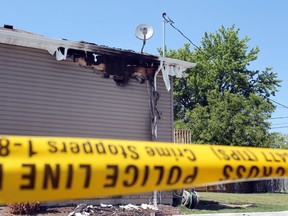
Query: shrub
[24, 208]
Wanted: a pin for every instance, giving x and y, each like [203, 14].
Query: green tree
[222, 101]
[278, 140]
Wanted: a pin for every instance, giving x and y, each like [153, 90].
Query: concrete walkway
[282, 213]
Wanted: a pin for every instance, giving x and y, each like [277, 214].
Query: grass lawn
[231, 202]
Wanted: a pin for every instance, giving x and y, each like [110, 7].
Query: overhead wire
[282, 105]
[279, 127]
[279, 117]
[171, 22]
[276, 124]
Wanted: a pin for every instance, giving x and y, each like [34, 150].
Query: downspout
[155, 118]
[154, 129]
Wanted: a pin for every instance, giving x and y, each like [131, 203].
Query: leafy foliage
[278, 140]
[23, 208]
[221, 100]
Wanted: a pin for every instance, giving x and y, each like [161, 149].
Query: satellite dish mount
[143, 32]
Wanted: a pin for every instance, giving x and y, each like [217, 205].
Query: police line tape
[53, 168]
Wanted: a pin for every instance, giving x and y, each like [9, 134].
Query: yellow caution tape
[53, 168]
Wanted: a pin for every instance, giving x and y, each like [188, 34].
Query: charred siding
[41, 96]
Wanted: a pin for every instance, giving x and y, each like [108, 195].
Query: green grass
[231, 202]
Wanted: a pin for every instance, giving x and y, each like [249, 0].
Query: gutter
[168, 66]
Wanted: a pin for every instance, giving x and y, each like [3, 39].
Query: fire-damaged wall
[42, 96]
[51, 87]
[117, 66]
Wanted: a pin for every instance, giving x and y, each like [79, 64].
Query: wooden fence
[182, 136]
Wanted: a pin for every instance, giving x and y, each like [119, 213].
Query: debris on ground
[189, 199]
[123, 210]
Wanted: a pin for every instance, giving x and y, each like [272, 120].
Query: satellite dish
[144, 32]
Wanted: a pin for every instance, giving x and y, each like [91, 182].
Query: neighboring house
[61, 88]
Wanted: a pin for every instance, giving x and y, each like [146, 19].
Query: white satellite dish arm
[143, 32]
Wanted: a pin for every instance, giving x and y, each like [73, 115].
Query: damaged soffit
[119, 63]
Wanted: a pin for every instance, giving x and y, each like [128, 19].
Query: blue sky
[113, 23]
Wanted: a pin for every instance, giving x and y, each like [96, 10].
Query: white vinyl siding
[44, 97]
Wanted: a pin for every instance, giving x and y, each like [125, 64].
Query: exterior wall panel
[42, 96]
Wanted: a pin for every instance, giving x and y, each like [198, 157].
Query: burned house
[52, 87]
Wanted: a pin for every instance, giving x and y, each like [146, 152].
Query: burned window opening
[121, 69]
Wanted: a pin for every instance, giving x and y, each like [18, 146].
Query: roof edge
[22, 38]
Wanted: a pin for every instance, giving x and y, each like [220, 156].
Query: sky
[112, 23]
